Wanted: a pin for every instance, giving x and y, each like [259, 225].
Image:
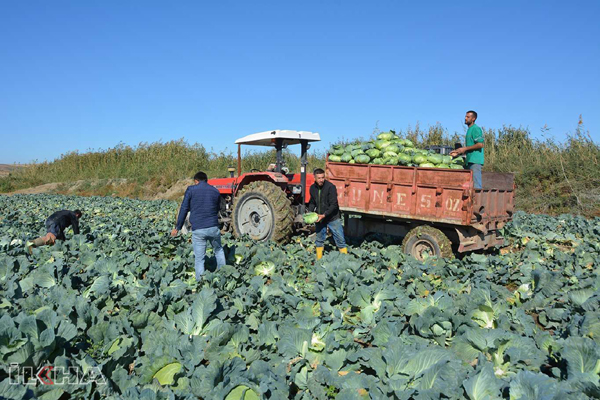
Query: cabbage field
[119, 303]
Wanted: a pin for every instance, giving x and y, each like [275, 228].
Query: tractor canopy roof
[289, 137]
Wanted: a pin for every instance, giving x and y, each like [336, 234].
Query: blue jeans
[199, 239]
[476, 168]
[53, 228]
[337, 230]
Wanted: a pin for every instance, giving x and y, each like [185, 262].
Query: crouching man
[323, 201]
[55, 228]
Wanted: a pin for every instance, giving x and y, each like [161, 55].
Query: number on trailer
[452, 204]
[426, 201]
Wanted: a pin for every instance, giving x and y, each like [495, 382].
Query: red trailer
[436, 210]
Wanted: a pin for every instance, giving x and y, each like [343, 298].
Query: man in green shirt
[473, 148]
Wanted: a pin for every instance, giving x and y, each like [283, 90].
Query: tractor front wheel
[262, 211]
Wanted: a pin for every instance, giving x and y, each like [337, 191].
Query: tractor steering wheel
[255, 170]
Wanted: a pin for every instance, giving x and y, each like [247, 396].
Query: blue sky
[79, 75]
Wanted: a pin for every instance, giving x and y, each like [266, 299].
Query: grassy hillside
[552, 177]
[6, 169]
[148, 168]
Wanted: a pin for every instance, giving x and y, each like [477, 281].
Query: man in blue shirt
[203, 202]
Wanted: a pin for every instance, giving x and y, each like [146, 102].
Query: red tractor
[267, 205]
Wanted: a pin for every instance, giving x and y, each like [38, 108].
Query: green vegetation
[120, 301]
[552, 177]
[148, 166]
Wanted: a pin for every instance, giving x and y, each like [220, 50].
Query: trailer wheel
[262, 211]
[425, 241]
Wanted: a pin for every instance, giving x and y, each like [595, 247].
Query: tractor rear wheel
[262, 211]
[425, 241]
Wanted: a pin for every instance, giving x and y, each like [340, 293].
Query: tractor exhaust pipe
[303, 163]
[239, 160]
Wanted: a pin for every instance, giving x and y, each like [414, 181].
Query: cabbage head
[362, 159]
[356, 152]
[380, 144]
[311, 217]
[368, 146]
[393, 147]
[419, 159]
[435, 158]
[404, 159]
[264, 268]
[385, 136]
[336, 149]
[373, 153]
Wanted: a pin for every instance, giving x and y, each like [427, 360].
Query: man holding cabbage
[324, 202]
[473, 149]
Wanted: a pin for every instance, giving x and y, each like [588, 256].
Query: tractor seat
[284, 170]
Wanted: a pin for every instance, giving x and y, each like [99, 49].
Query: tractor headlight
[296, 189]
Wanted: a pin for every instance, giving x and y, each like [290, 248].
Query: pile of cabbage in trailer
[389, 149]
